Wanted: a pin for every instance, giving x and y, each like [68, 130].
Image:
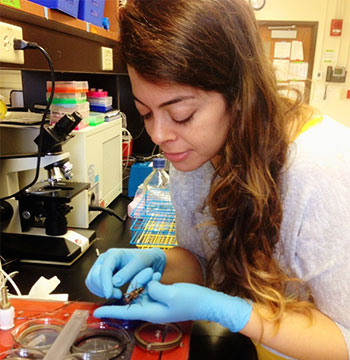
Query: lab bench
[208, 340]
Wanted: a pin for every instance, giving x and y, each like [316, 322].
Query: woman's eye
[179, 120]
[184, 120]
[146, 116]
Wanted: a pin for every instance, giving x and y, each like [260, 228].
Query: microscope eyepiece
[64, 126]
[56, 135]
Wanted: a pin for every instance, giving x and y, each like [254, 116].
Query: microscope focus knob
[26, 215]
[66, 169]
[6, 211]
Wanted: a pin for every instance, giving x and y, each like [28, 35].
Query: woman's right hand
[116, 267]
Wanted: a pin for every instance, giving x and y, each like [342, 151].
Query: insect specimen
[133, 295]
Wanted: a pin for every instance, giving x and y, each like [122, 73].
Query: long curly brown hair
[214, 45]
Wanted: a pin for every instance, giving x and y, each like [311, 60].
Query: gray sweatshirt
[315, 231]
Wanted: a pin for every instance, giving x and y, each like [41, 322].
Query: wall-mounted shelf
[32, 13]
[74, 45]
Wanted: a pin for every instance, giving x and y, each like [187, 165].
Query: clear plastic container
[68, 86]
[100, 101]
[22, 353]
[96, 118]
[101, 108]
[57, 111]
[37, 334]
[97, 93]
[69, 108]
[67, 98]
[31, 354]
[101, 340]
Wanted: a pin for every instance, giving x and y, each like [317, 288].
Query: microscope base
[37, 247]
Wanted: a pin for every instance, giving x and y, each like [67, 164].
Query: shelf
[32, 13]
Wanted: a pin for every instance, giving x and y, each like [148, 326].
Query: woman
[260, 186]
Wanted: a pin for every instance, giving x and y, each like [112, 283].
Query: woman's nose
[160, 130]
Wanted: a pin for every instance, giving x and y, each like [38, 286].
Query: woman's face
[189, 125]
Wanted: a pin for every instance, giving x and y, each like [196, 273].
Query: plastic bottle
[154, 184]
[3, 107]
[158, 178]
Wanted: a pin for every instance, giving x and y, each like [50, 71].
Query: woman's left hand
[180, 302]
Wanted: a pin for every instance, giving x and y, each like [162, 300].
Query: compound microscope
[33, 221]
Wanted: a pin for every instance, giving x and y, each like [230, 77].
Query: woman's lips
[176, 157]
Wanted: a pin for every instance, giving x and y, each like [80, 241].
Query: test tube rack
[153, 221]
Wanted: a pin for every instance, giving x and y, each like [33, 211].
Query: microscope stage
[61, 191]
[37, 247]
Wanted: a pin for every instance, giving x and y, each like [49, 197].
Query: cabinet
[95, 153]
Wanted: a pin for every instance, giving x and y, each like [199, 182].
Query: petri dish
[158, 337]
[22, 354]
[32, 354]
[101, 340]
[38, 334]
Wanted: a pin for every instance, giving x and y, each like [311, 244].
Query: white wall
[9, 80]
[336, 104]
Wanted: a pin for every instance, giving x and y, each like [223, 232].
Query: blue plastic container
[138, 173]
[91, 11]
[100, 108]
[69, 7]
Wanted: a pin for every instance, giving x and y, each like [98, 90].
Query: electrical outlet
[107, 58]
[8, 33]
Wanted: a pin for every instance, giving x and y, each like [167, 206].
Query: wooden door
[280, 35]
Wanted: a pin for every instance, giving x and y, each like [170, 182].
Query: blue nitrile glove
[181, 302]
[116, 267]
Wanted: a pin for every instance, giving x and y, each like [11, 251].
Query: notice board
[290, 45]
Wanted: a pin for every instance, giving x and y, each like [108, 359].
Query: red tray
[27, 309]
